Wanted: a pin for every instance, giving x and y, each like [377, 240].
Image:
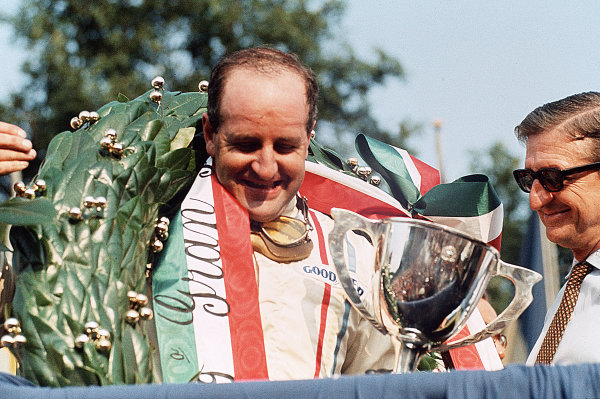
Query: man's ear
[209, 135]
[312, 129]
[309, 136]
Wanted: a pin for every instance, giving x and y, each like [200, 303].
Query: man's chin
[261, 218]
[264, 213]
[560, 236]
[268, 209]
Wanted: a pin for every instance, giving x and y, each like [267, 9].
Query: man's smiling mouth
[262, 186]
[553, 215]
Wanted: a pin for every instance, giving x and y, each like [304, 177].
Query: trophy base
[408, 355]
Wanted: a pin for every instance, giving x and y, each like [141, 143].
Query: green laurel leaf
[24, 212]
[73, 271]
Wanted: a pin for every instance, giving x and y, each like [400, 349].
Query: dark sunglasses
[552, 179]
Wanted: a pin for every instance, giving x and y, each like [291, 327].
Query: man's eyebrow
[289, 140]
[233, 137]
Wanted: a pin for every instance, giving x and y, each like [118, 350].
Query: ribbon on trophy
[469, 204]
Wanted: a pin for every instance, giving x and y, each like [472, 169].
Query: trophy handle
[346, 221]
[523, 279]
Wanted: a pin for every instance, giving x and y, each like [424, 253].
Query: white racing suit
[310, 329]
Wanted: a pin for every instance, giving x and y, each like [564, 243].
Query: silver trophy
[427, 280]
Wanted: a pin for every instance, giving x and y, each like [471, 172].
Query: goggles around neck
[284, 239]
[552, 179]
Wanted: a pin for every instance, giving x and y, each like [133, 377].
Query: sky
[478, 67]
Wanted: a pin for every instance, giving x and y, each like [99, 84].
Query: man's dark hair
[263, 60]
[578, 116]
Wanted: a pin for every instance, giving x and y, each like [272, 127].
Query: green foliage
[71, 272]
[21, 211]
[328, 157]
[83, 53]
[430, 361]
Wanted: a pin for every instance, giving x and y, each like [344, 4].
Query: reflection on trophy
[427, 280]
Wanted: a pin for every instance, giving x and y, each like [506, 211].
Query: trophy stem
[408, 356]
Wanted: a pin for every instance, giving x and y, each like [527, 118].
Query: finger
[12, 155]
[17, 143]
[12, 166]
[11, 129]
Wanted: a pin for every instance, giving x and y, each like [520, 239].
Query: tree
[82, 54]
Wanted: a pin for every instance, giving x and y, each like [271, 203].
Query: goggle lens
[285, 231]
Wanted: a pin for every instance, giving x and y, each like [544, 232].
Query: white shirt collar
[593, 259]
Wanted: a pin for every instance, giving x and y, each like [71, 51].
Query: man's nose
[538, 197]
[265, 164]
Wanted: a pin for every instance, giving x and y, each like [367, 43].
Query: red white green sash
[205, 293]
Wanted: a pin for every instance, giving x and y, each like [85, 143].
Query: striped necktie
[563, 313]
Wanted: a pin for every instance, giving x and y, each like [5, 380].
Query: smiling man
[562, 178]
[267, 303]
[264, 130]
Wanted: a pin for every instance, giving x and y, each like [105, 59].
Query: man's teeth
[263, 185]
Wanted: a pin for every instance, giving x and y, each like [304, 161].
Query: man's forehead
[246, 89]
[556, 148]
[262, 71]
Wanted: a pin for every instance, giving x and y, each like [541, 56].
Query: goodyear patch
[328, 276]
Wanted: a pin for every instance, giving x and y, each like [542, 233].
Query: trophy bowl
[427, 280]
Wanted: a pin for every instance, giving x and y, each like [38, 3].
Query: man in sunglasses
[562, 178]
[268, 303]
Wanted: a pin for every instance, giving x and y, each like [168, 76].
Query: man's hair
[263, 60]
[577, 116]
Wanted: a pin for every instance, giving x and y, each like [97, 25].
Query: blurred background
[447, 81]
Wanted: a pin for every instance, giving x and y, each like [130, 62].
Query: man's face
[572, 215]
[262, 142]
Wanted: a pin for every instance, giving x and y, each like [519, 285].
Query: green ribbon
[471, 195]
[468, 196]
[385, 160]
[172, 307]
